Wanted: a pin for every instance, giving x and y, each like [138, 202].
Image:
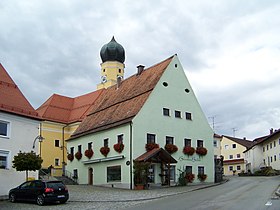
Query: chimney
[140, 69]
[119, 81]
[244, 138]
[271, 131]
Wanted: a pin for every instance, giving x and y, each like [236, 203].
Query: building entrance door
[90, 176]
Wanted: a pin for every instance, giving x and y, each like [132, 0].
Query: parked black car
[40, 191]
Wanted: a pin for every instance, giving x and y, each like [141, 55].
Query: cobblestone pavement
[86, 197]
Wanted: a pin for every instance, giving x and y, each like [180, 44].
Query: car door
[22, 191]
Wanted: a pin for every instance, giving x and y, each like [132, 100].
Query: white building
[19, 124]
[264, 152]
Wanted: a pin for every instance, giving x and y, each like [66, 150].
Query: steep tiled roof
[11, 98]
[243, 142]
[67, 110]
[118, 105]
[265, 138]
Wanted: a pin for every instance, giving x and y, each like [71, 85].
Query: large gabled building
[19, 127]
[155, 106]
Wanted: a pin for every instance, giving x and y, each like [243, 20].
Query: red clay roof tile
[11, 98]
[118, 105]
[67, 110]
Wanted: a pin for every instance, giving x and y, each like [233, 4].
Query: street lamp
[40, 139]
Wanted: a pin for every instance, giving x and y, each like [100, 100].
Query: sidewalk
[86, 193]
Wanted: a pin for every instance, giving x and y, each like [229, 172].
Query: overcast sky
[230, 51]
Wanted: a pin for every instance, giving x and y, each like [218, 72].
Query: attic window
[187, 90]
[103, 70]
[176, 65]
[120, 71]
[165, 84]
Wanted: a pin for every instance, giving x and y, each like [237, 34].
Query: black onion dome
[112, 51]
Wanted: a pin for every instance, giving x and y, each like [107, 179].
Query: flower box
[70, 157]
[188, 150]
[78, 155]
[201, 151]
[119, 147]
[189, 177]
[151, 146]
[104, 151]
[202, 177]
[89, 153]
[171, 148]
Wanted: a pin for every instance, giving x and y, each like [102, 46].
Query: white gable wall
[174, 97]
[22, 132]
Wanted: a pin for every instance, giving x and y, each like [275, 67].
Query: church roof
[119, 105]
[64, 109]
[112, 51]
[11, 98]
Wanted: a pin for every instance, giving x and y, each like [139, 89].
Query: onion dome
[112, 51]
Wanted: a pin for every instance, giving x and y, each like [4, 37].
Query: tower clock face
[103, 79]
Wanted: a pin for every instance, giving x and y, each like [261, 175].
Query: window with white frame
[169, 140]
[233, 146]
[226, 146]
[200, 170]
[4, 128]
[113, 173]
[238, 168]
[230, 168]
[230, 156]
[4, 159]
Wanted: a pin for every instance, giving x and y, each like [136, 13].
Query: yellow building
[232, 150]
[61, 116]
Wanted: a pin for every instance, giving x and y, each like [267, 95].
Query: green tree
[27, 161]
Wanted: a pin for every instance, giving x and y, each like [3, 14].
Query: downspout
[63, 147]
[130, 154]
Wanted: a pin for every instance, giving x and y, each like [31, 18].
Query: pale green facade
[172, 92]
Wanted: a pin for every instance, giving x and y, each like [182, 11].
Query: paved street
[238, 193]
[250, 193]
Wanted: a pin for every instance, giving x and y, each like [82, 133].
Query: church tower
[112, 67]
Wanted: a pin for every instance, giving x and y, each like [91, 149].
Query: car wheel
[12, 198]
[40, 200]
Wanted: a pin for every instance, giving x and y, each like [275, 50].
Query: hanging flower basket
[189, 177]
[171, 148]
[202, 177]
[78, 155]
[151, 146]
[118, 147]
[89, 153]
[70, 157]
[188, 150]
[104, 151]
[201, 151]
